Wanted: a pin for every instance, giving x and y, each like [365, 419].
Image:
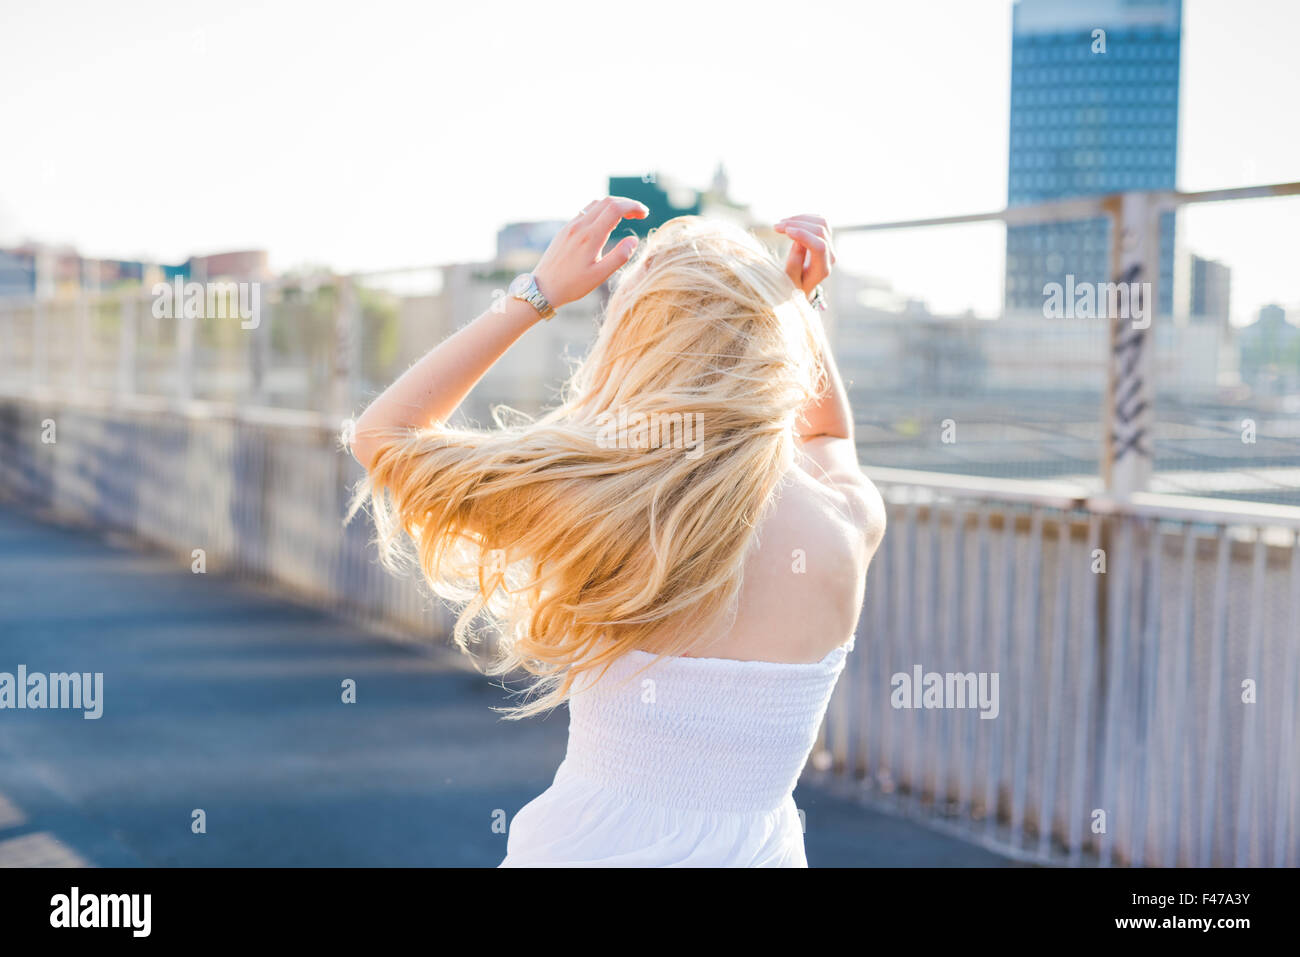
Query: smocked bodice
[703, 734]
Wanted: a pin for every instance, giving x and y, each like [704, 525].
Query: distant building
[56, 272]
[1270, 352]
[246, 264]
[525, 242]
[1209, 290]
[716, 202]
[914, 352]
[40, 270]
[17, 273]
[665, 198]
[1094, 110]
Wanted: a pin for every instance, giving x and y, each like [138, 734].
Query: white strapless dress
[692, 762]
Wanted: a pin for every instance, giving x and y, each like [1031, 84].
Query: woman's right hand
[572, 265]
[812, 254]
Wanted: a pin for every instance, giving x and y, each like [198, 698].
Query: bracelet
[818, 298]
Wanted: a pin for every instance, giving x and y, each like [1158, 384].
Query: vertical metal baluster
[879, 658]
[976, 658]
[1286, 768]
[1144, 781]
[1218, 640]
[865, 653]
[904, 641]
[1249, 722]
[885, 770]
[932, 650]
[39, 340]
[993, 787]
[1058, 651]
[7, 349]
[1178, 728]
[1118, 569]
[951, 631]
[872, 732]
[1026, 673]
[922, 599]
[1088, 587]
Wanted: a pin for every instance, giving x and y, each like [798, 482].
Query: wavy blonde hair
[577, 537]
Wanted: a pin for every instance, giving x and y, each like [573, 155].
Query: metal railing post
[346, 349]
[126, 345]
[1127, 416]
[184, 357]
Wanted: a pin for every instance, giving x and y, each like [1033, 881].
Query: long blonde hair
[622, 518]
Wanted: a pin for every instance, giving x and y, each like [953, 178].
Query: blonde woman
[678, 550]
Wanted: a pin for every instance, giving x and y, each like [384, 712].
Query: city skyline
[327, 157]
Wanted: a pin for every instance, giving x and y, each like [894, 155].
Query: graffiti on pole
[1129, 433]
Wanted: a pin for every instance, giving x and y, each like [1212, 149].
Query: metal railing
[1147, 656]
[1123, 733]
[262, 493]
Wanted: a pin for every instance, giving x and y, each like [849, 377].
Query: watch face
[519, 284]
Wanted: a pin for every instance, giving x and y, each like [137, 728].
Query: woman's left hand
[811, 253]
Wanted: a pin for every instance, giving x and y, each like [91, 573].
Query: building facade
[1094, 110]
[1209, 292]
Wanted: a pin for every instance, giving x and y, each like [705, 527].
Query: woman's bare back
[804, 580]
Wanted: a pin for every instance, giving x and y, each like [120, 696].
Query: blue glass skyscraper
[1094, 109]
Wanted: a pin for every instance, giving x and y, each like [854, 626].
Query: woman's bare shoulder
[834, 478]
[804, 580]
[812, 519]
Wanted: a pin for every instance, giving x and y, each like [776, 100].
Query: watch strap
[533, 296]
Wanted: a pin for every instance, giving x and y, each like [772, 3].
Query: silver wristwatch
[524, 287]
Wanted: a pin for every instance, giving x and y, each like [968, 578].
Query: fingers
[794, 262]
[811, 251]
[818, 266]
[589, 213]
[607, 213]
[615, 259]
[811, 218]
[812, 223]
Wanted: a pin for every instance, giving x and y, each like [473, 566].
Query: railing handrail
[1047, 494]
[1067, 496]
[1083, 207]
[186, 409]
[1193, 508]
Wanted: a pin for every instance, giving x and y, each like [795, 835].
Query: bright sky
[380, 134]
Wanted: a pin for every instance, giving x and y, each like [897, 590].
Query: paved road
[222, 698]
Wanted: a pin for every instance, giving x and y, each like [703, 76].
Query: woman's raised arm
[431, 390]
[827, 448]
